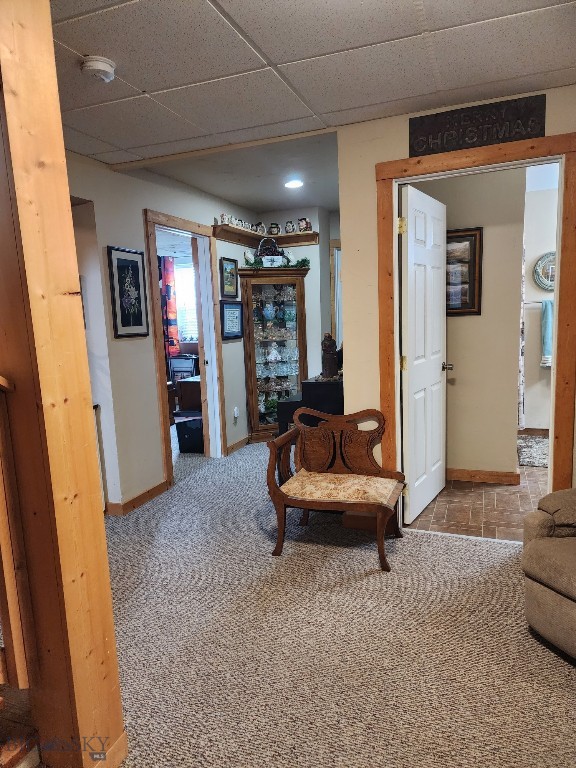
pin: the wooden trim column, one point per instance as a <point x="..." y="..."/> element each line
<point x="74" y="689"/>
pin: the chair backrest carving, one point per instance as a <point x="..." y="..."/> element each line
<point x="336" y="444"/>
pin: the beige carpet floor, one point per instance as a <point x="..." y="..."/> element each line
<point x="233" y="659"/>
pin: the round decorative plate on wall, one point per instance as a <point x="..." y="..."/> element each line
<point x="545" y="271"/>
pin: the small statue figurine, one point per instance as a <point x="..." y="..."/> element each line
<point x="329" y="357"/>
<point x="273" y="355"/>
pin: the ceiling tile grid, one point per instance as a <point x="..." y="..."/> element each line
<point x="131" y="122"/>
<point x="287" y="128"/>
<point x="159" y="45"/>
<point x="236" y="102"/>
<point x="199" y="73"/>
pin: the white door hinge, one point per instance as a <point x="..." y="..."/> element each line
<point x="402" y="225"/>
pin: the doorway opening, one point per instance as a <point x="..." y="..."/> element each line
<point x="477" y="403"/>
<point x="186" y="339"/>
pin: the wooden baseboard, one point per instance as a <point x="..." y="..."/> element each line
<point x="122" y="508"/>
<point x="484" y="476"/>
<point x="236" y="446"/>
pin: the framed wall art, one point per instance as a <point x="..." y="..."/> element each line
<point x="464" y="271"/>
<point x="228" y="278"/>
<point x="128" y="292"/>
<point x="231" y="320"/>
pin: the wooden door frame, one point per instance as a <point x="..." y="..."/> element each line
<point x="333" y="245"/>
<point x="562" y="147"/>
<point x="152" y="219"/>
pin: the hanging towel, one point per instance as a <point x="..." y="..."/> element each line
<point x="547" y="332"/>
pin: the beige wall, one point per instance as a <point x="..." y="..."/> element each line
<point x="131" y="409"/>
<point x="360" y="147"/>
<point x="540" y="229"/>
<point x="233" y="363"/>
<point x="482" y="392"/>
<point x="90" y="268"/>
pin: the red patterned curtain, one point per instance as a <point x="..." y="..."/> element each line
<point x="169" y="318"/>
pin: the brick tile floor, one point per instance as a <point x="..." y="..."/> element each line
<point x="483" y="509"/>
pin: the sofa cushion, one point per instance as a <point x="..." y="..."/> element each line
<point x="552" y="562"/>
<point x="561" y="505"/>
<point x="325" y="486"/>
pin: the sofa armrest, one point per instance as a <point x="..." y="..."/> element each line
<point x="538" y="525"/>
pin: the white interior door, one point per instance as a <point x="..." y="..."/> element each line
<point x="423" y="349"/>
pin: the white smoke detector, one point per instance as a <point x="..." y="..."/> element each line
<point x="99" y="67"/>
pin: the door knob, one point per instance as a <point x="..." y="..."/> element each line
<point x="447" y="367"/>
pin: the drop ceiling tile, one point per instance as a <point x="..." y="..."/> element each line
<point x="80" y="90"/>
<point x="66" y="9"/>
<point x="364" y="76"/>
<point x="159" y="45"/>
<point x="540" y="41"/>
<point x="231" y="137"/>
<point x="131" y="122"/>
<point x="289" y="31"/>
<point x="116" y="156"/>
<point x="453" y="98"/>
<point x="442" y="14"/>
<point x="236" y="102"/>
<point x="82" y="144"/>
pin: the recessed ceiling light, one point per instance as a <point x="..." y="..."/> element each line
<point x="294" y="184"/>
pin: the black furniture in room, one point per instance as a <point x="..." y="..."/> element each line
<point x="326" y="396"/>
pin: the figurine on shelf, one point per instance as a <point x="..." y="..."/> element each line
<point x="289" y="228"/>
<point x="269" y="311"/>
<point x="273" y="355"/>
<point x="274" y="229"/>
<point x="304" y="225"/>
<point x="329" y="357"/>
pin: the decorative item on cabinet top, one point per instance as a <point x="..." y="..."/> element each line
<point x="268" y="255"/>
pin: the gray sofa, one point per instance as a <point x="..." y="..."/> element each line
<point x="549" y="565"/>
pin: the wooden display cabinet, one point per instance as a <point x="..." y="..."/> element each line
<point x="274" y="342"/>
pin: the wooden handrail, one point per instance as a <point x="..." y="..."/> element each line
<point x="5" y="385"/>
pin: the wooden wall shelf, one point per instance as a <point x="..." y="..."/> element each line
<point x="251" y="239"/>
<point x="271" y="272"/>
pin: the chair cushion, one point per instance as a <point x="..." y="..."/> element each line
<point x="552" y="562"/>
<point x="324" y="486"/>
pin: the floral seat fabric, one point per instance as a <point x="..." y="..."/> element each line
<point x="321" y="486"/>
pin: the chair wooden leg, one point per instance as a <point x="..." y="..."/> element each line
<point x="305" y="517"/>
<point x="381" y="520"/>
<point x="281" y="515"/>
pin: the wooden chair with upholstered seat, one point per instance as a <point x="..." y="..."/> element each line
<point x="335" y="470"/>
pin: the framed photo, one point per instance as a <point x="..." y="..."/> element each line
<point x="228" y="278"/>
<point x="128" y="292"/>
<point x="231" y="319"/>
<point x="464" y="271"/>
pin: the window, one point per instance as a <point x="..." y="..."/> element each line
<point x="186" y="310"/>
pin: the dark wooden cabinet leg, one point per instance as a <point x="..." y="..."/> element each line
<point x="305" y="517"/>
<point x="381" y="520"/>
<point x="281" y="515"/>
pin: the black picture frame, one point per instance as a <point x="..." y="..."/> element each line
<point x="464" y="271"/>
<point x="127" y="271"/>
<point x="231" y="320"/>
<point x="228" y="278"/>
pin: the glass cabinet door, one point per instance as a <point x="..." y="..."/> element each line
<point x="276" y="352"/>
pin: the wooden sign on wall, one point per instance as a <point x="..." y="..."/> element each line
<point x="479" y="126"/>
